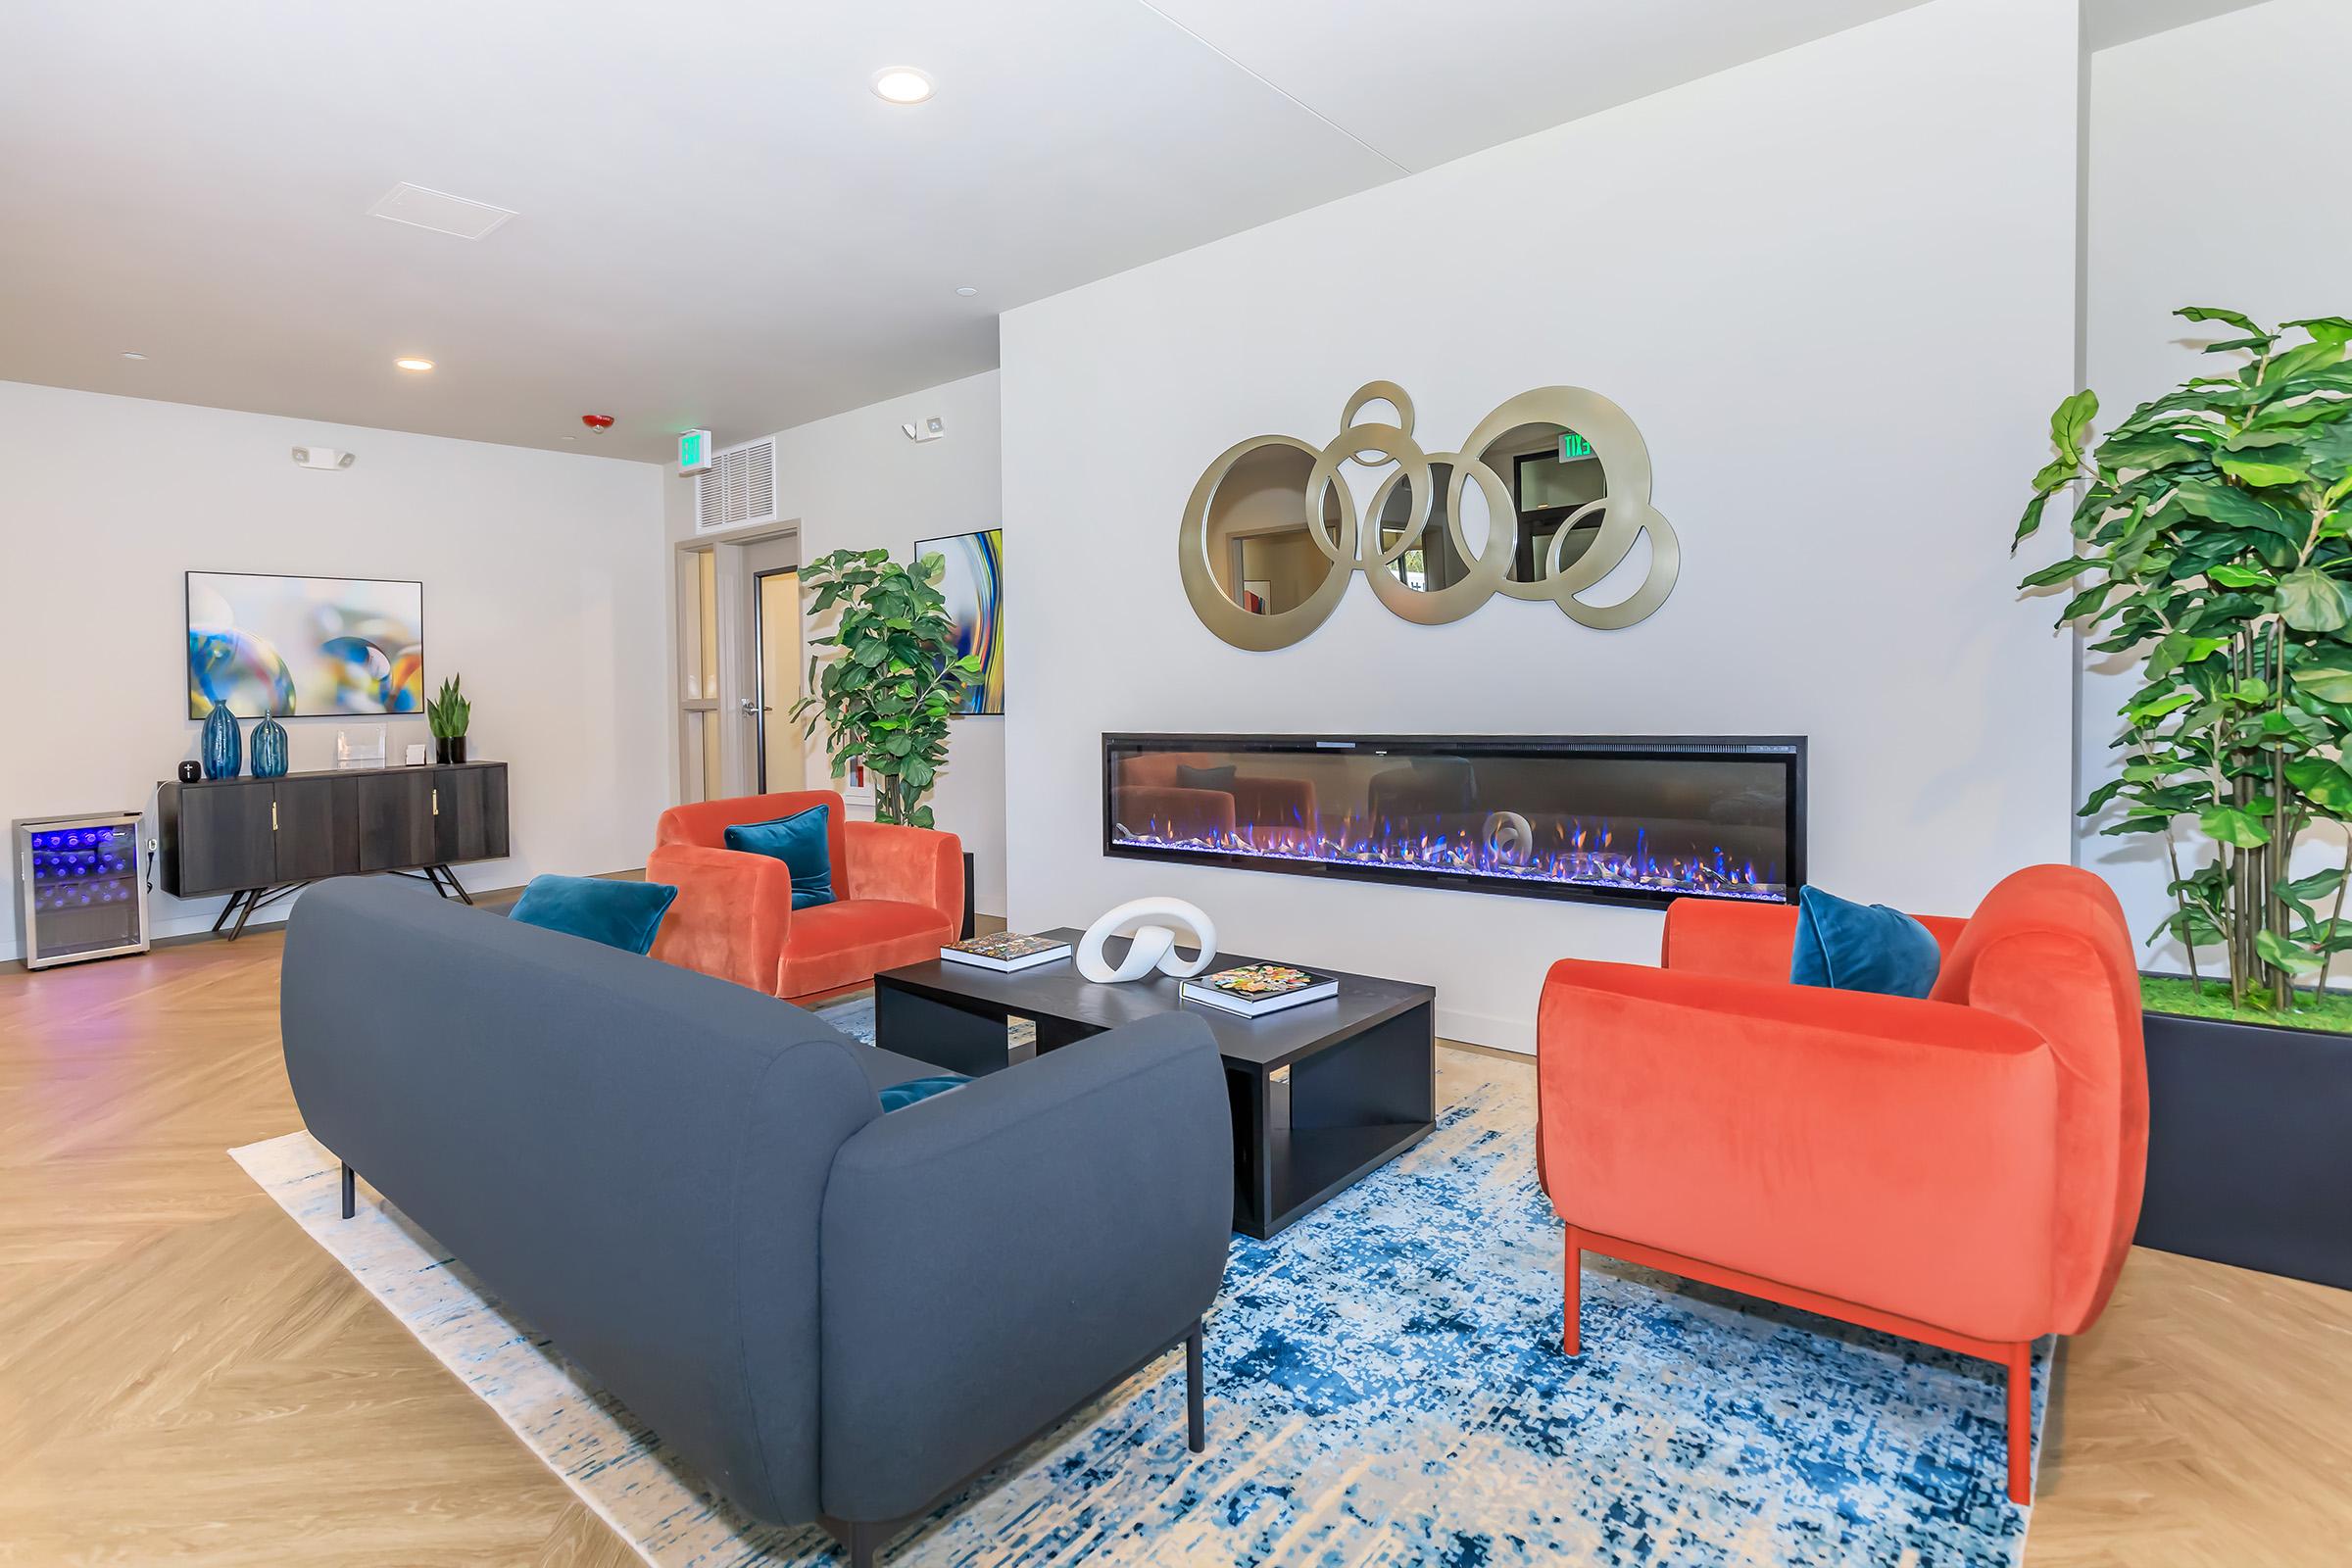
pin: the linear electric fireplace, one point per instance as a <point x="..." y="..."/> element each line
<point x="1640" y="820"/>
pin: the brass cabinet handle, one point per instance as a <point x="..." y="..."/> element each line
<point x="273" y="816"/>
<point x="436" y="802"/>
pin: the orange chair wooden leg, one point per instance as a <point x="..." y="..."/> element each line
<point x="2021" y="1422"/>
<point x="1572" y="1297"/>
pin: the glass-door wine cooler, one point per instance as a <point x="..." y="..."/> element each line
<point x="81" y="894"/>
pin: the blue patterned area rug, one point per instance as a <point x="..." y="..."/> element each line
<point x="1385" y="1387"/>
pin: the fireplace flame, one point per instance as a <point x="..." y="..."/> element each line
<point x="1583" y="856"/>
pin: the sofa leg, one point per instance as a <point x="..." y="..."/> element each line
<point x="2021" y="1422"/>
<point x="860" y="1543"/>
<point x="347" y="1189"/>
<point x="1195" y="1418"/>
<point x="1572" y="1297"/>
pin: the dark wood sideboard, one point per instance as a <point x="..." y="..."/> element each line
<point x="259" y="839"/>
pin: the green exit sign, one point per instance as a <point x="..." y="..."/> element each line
<point x="1573" y="445"/>
<point x="694" y="452"/>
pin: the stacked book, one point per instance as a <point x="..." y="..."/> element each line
<point x="1006" y="952"/>
<point x="1258" y="989"/>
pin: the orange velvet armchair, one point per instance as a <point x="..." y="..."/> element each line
<point x="1964" y="1170"/>
<point x="898" y="896"/>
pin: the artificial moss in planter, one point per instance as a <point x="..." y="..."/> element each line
<point x="2330" y="1014"/>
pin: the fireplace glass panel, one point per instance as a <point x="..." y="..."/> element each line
<point x="1641" y="820"/>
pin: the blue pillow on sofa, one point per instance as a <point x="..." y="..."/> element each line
<point x="1861" y="946"/>
<point x="897" y="1096"/>
<point x="620" y="914"/>
<point x="799" y="842"/>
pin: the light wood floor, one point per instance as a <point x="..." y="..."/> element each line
<point x="185" y="1378"/>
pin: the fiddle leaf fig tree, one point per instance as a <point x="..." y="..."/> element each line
<point x="890" y="678"/>
<point x="2211" y="526"/>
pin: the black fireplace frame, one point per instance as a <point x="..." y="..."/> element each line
<point x="1788" y="750"/>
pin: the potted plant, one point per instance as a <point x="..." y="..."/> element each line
<point x="446" y="717"/>
<point x="2215" y="529"/>
<point x="891" y="680"/>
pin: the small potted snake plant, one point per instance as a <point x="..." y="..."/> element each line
<point x="447" y="716"/>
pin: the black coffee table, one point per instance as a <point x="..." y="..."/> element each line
<point x="1322" y="1094"/>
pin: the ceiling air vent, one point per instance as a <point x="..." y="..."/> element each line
<point x="737" y="488"/>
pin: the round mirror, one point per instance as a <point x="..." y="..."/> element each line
<point x="1260" y="555"/>
<point x="1426" y="560"/>
<point x="1553" y="476"/>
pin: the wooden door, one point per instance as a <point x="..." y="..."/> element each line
<point x="312" y="830"/>
<point x="224" y="838"/>
<point x="469" y="813"/>
<point x="394" y="815"/>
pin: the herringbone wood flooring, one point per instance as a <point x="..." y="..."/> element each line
<point x="185" y="1378"/>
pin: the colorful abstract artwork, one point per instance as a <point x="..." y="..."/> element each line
<point x="974" y="585"/>
<point x="304" y="647"/>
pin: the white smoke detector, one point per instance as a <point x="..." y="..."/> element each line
<point x="325" y="458"/>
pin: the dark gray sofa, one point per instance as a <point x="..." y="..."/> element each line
<point x="690" y="1187"/>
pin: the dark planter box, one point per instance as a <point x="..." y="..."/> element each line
<point x="2250" y="1147"/>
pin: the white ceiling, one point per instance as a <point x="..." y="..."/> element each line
<point x="718" y="223"/>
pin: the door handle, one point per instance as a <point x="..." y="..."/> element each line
<point x="750" y="706"/>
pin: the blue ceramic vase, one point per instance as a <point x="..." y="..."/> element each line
<point x="268" y="748"/>
<point x="224" y="748"/>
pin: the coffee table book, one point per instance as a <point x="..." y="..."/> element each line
<point x="1006" y="952"/>
<point x="1258" y="989"/>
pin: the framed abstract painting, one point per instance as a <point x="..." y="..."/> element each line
<point x="974" y="586"/>
<point x="304" y="647"/>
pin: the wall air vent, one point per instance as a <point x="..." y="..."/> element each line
<point x="738" y="489"/>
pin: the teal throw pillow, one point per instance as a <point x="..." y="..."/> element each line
<point x="620" y="914"/>
<point x="897" y="1096"/>
<point x="1861" y="946"/>
<point x="799" y="842"/>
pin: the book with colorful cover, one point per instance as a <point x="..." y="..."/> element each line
<point x="1006" y="952"/>
<point x="1257" y="989"/>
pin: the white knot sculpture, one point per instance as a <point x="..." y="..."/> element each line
<point x="1153" y="947"/>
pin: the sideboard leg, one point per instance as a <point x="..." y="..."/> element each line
<point x="451" y="877"/>
<point x="348" y="1193"/>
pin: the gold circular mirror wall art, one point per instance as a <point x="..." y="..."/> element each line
<point x="1271" y="536"/>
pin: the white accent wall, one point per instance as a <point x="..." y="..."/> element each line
<point x="854" y="482"/>
<point x="1835" y="288"/>
<point x="2183" y="215"/>
<point x="542" y="579"/>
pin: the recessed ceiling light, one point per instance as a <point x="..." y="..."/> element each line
<point x="967" y="291"/>
<point x="414" y="365"/>
<point x="900" y="85"/>
<point x="132" y="354"/>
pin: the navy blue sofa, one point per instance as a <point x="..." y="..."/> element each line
<point x="831" y="1315"/>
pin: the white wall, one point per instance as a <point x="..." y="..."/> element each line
<point x="854" y="482"/>
<point x="1835" y="290"/>
<point x="2183" y="215"/>
<point x="541" y="587"/>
